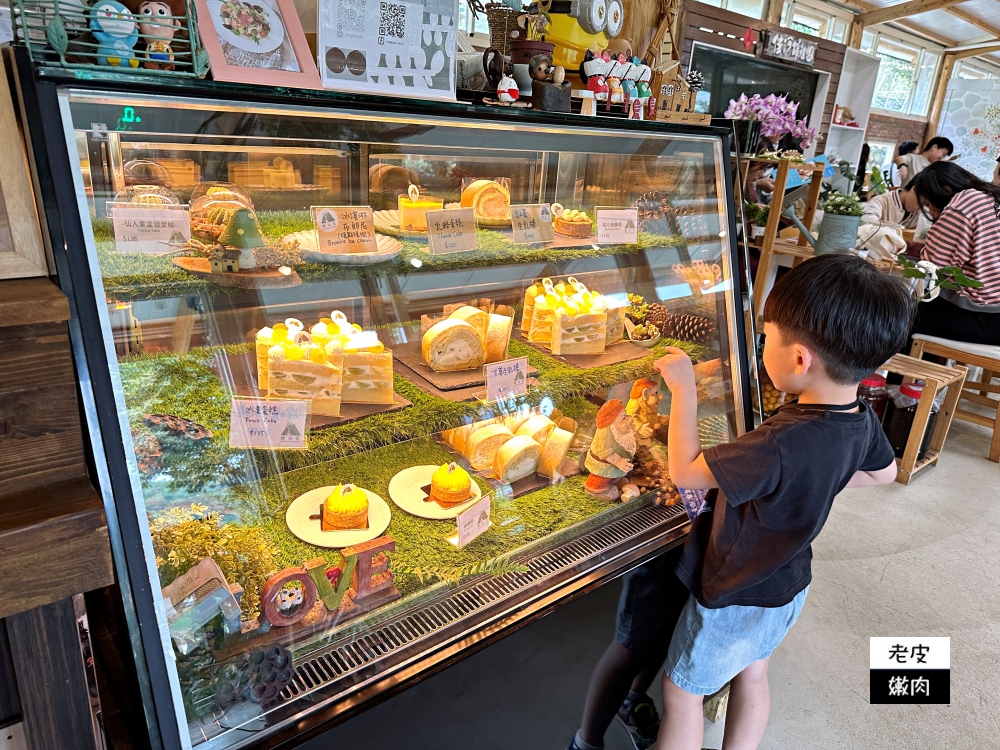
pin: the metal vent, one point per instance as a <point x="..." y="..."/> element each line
<point x="350" y="656"/>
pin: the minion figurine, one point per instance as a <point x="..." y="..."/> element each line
<point x="114" y="28"/>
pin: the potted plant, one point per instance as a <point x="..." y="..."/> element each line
<point x="934" y="278"/>
<point x="526" y="40"/>
<point x="841" y="218"/>
<point x="771" y="116"/>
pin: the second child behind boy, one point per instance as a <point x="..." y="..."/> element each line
<point x="829" y="323"/>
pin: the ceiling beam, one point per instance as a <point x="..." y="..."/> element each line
<point x="902" y="10"/>
<point x="972" y="50"/>
<point x="993" y="31"/>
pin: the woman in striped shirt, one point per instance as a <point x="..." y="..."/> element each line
<point x="966" y="233"/>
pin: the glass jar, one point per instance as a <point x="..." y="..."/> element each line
<point x="899" y="414"/>
<point x="872" y="391"/>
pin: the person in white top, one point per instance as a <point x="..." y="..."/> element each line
<point x="911" y="164"/>
<point x="895" y="207"/>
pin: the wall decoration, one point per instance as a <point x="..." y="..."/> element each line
<point x="256" y="41"/>
<point x="393" y="48"/>
<point x="970" y="117"/>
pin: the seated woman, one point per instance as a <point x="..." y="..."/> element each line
<point x="894" y="207"/>
<point x="965" y="233"/>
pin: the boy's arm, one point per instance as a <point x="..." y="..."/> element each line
<point x="874" y="478"/>
<point x="685" y="461"/>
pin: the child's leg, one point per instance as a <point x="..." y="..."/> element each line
<point x="749" y="705"/>
<point x="682" y="726"/>
<point x="609" y="686"/>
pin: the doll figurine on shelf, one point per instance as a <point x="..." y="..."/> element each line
<point x="616" y="94"/>
<point x="645" y="73"/>
<point x="158" y="23"/>
<point x="114" y="29"/>
<point x="507" y="91"/>
<point x="609" y="458"/>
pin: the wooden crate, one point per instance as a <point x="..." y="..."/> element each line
<point x="936" y="378"/>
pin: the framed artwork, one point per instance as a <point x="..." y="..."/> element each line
<point x="256" y="41"/>
<point x="22" y="252"/>
<point x="388" y="47"/>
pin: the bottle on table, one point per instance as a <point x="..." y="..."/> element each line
<point x="873" y="392"/>
<point x="900" y="411"/>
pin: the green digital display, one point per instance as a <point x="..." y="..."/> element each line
<point x="128" y="119"/>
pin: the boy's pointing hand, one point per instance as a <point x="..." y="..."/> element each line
<point x="676" y="369"/>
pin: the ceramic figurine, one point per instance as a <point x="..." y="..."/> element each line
<point x="651" y="108"/>
<point x="645" y="73"/>
<point x="616" y="94"/>
<point x="549" y="90"/>
<point x="630" y="78"/>
<point x="157" y="25"/>
<point x="114" y="28"/>
<point x="289" y="597"/>
<point x="636" y="113"/>
<point x="609" y="458"/>
<point x="507" y="89"/>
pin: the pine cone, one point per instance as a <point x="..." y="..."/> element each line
<point x="690" y="328"/>
<point x="659" y="316"/>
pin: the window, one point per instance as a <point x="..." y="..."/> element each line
<point x="468" y="24"/>
<point x="751" y="8"/>
<point x="808" y="19"/>
<point x="974" y="72"/>
<point x="868" y="42"/>
<point x="905" y="77"/>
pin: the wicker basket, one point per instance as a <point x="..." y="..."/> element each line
<point x="56" y="32"/>
<point x="503" y="26"/>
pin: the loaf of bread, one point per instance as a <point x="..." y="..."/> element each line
<point x="516" y="459"/>
<point x="484" y="443"/>
<point x="453" y="344"/>
<point x="554" y="451"/>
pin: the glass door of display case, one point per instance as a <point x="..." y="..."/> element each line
<point x="339" y="454"/>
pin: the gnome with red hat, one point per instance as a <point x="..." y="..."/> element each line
<point x="610" y="456"/>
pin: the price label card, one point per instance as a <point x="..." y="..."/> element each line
<point x="452" y="230"/>
<point x="268" y="423"/>
<point x="506" y="379"/>
<point x="617" y="226"/>
<point x="345" y="229"/>
<point x="150" y="230"/>
<point x="472" y="523"/>
<point x="532" y="223"/>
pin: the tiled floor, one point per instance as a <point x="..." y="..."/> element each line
<point x="894" y="561"/>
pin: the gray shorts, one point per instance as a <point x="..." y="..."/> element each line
<point x="651" y="601"/>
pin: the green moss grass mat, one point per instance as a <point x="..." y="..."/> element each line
<point x="184" y="385"/>
<point x="420" y="542"/>
<point x="133" y="276"/>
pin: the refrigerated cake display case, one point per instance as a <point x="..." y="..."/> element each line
<point x="344" y="361"/>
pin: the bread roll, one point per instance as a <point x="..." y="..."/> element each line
<point x="452" y="345"/>
<point x="484" y="444"/>
<point x="554" y="452"/>
<point x="516" y="459"/>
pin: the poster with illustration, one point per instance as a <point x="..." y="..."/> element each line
<point x="970" y="117"/>
<point x="394" y="48"/>
<point x="256" y="41"/>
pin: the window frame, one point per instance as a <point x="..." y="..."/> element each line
<point x="922" y="51"/>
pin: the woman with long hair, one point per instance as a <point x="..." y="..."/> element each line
<point x="965" y="233"/>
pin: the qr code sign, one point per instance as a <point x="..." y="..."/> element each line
<point x="392" y="21"/>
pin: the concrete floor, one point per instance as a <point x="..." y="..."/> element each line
<point x="893" y="561"/>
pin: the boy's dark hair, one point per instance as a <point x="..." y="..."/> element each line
<point x="940" y="141"/>
<point x="847" y="311"/>
<point x="907" y="147"/>
<point x="941" y="181"/>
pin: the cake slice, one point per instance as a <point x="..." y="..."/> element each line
<point x="498" y="337"/>
<point x="537" y="427"/>
<point x="303" y="379"/>
<point x="529" y="302"/>
<point x="452" y="345"/>
<point x="542" y="317"/>
<point x="478" y="319"/>
<point x="615" y="310"/>
<point x="484" y="444"/>
<point x="516" y="459"/>
<point x="368" y="377"/>
<point x="554" y="451"/>
<point x="579" y="334"/>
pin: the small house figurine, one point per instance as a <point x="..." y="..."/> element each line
<point x="674" y="96"/>
<point x="224" y="260"/>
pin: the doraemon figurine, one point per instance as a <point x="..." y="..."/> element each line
<point x="114" y="28"/>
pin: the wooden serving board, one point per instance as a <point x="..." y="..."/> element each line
<point x="256" y="278"/>
<point x="240" y="371"/>
<point x="409" y="355"/>
<point x="624" y="351"/>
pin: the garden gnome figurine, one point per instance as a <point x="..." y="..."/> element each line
<point x="609" y="458"/>
<point x="644" y="408"/>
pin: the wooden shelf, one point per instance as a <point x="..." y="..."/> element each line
<point x="58" y="536"/>
<point x="31" y="301"/>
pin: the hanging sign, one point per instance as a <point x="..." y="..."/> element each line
<point x="268" y="423"/>
<point x="778" y="45"/>
<point x="344" y="229"/>
<point x="531" y="223"/>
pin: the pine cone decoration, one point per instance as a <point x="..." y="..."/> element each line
<point x="689" y="328"/>
<point x="659" y="316"/>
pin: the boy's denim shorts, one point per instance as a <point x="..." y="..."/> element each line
<point x="651" y="601"/>
<point x="711" y="646"/>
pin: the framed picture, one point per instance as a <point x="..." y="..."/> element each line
<point x="389" y="47"/>
<point x="22" y="252"/>
<point x="256" y="41"/>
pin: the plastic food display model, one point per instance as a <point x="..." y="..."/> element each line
<point x="436" y="487"/>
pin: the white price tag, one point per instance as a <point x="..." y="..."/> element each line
<point x="344" y="229"/>
<point x="472" y="523"/>
<point x="617" y="226"/>
<point x="452" y="230"/>
<point x="150" y="230"/>
<point x="268" y="423"/>
<point x="507" y="378"/>
<point x="531" y="223"/>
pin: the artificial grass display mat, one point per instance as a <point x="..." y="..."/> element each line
<point x="420" y="542"/>
<point x="130" y="276"/>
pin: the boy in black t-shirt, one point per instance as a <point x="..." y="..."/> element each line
<point x="829" y="323"/>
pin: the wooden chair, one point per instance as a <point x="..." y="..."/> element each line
<point x="979" y="355"/>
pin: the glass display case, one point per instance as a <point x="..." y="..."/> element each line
<point x="339" y="454"/>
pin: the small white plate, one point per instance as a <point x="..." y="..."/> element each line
<point x="309" y="531"/>
<point x="404" y="490"/>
